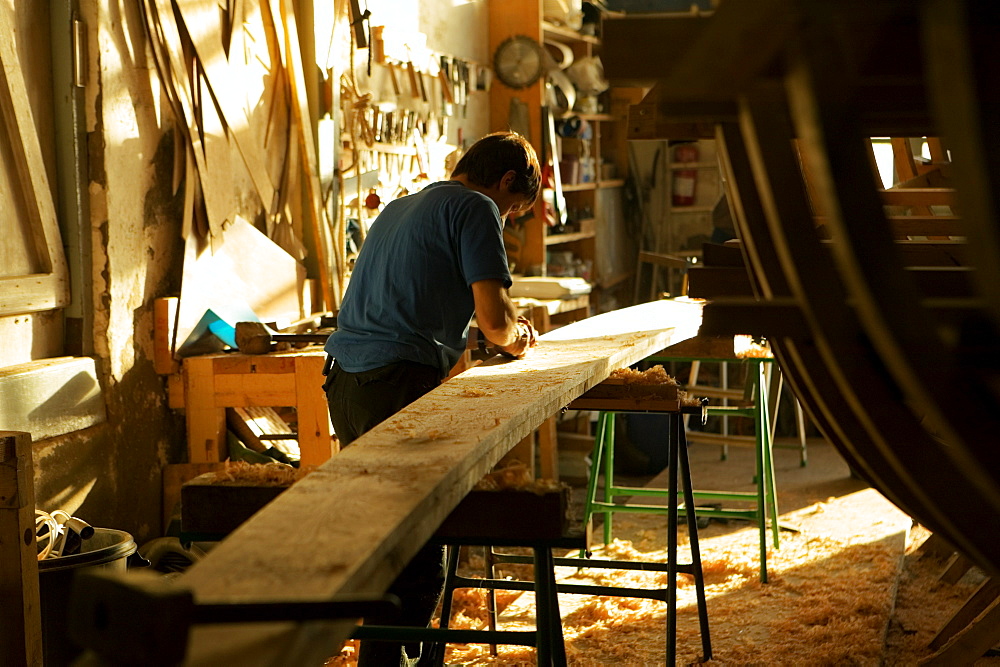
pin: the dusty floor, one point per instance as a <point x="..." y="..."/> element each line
<point x="846" y="585"/>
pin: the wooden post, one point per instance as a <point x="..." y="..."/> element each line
<point x="548" y="449"/>
<point x="20" y="617"/>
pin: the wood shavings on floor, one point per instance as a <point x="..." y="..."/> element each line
<point x="846" y="587"/>
<point x="827" y="602"/>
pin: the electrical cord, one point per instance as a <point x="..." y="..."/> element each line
<point x="53" y="530"/>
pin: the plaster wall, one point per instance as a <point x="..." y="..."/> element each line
<point x="110" y="474"/>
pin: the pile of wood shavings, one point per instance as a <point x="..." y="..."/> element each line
<point x="745" y="347"/>
<point x="260" y="474"/>
<point x="826" y="603"/>
<point x="518" y="477"/>
<point x="655" y="375"/>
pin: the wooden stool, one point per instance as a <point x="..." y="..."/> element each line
<point x="491" y="520"/>
<point x="210" y="383"/>
<point x="498" y="518"/>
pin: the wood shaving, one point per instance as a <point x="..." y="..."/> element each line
<point x="653" y="375"/>
<point x="260" y="474"/>
<point x="516" y="476"/>
<point x="745" y="347"/>
<point x="475" y="393"/>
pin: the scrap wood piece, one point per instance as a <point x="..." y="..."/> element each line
<point x="20" y="619"/>
<point x="247" y="270"/>
<point x="44" y="283"/>
<point x="252" y="424"/>
<point x="966" y="647"/>
<point x="179" y="73"/>
<point x="240" y="81"/>
<point x="393" y="486"/>
<point x="330" y="283"/>
<point x="225" y="117"/>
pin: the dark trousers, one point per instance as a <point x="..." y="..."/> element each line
<point x="359" y="402"/>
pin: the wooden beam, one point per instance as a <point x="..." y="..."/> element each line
<point x="734" y="316"/>
<point x="985" y="594"/>
<point x="697" y="57"/>
<point x="918" y="197"/>
<point x="349" y="527"/>
<point x="20" y="618"/>
<point x="970" y="644"/>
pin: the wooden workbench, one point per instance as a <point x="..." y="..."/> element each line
<point x="350" y="526"/>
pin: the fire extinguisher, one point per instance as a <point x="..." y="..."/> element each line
<point x="685" y="179"/>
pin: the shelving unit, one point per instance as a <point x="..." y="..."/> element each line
<point x="590" y="232"/>
<point x="684" y="224"/>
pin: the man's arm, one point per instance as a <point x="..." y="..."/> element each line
<point x="496" y="317"/>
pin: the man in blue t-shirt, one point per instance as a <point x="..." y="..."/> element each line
<point x="430" y="262"/>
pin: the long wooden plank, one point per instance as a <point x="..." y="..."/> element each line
<point x="349" y="527"/>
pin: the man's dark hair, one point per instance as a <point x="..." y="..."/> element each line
<point x="494" y="155"/>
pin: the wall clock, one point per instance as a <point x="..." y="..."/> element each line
<point x="518" y="61"/>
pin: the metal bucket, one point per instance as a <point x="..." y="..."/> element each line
<point x="108" y="549"/>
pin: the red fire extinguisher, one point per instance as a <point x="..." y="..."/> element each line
<point x="685" y="179"/>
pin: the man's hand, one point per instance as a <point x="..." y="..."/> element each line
<point x="527" y="338"/>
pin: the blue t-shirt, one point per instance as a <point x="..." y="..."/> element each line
<point x="409" y="298"/>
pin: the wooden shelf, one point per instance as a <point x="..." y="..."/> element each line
<point x="593" y="185"/>
<point x="559" y="33"/>
<point x="590" y="117"/>
<point x="606" y="144"/>
<point x="569" y="237"/>
<point x="691" y="209"/>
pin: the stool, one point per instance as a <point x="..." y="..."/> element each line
<point x="679" y="473"/>
<point x="498" y="518"/>
<point x="764" y="498"/>
<point x="548" y="636"/>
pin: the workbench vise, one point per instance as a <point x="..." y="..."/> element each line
<point x="144" y="619"/>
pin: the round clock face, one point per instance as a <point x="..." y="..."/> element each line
<point x="518" y="61"/>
